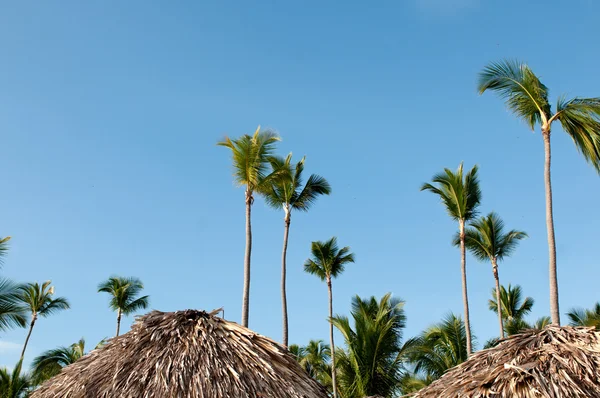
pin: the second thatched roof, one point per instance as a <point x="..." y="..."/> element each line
<point x="556" y="362"/>
<point x="185" y="354"/>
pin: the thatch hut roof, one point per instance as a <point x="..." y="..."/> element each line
<point x="552" y="363"/>
<point x="184" y="354"/>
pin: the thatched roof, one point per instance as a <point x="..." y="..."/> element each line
<point x="184" y="354"/>
<point x="552" y="363"/>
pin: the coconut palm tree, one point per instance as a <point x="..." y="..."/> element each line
<point x="12" y="312"/>
<point x="328" y="261"/>
<point x="514" y="307"/>
<point x="14" y="384"/>
<point x="581" y="317"/>
<point x="461" y="196"/>
<point x="527" y="98"/>
<point x="39" y="301"/>
<point x="50" y="363"/>
<point x="372" y="363"/>
<point x="440" y="347"/>
<point x="288" y="193"/>
<point x="124" y="296"/>
<point x="487" y="241"/>
<point x="251" y="154"/>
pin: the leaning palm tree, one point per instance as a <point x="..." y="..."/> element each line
<point x="513" y="306"/>
<point x="487" y="241"/>
<point x="327" y="262"/>
<point x="14" y="384"/>
<point x="50" y="363"/>
<point x="39" y="301"/>
<point x="372" y="363"/>
<point x="527" y="98"/>
<point x="581" y="317"/>
<point x="440" y="347"/>
<point x="251" y="154"/>
<point x="461" y="196"/>
<point x="288" y="193"/>
<point x="12" y="312"/>
<point x="124" y="296"/>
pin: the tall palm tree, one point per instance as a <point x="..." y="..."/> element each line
<point x="487" y="241"/>
<point x="39" y="301"/>
<point x="328" y="261"/>
<point x="287" y="192"/>
<point x="440" y="347"/>
<point x="372" y="363"/>
<point x="14" y="384"/>
<point x="527" y="98"/>
<point x="581" y="317"/>
<point x="124" y="296"/>
<point x="50" y="363"/>
<point x="461" y="196"/>
<point x="251" y="154"/>
<point x="513" y="307"/>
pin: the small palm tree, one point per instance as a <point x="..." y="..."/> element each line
<point x="327" y="262"/>
<point x="461" y="196"/>
<point x="288" y="193"/>
<point x="440" y="347"/>
<point x="372" y="363"/>
<point x="514" y="307"/>
<point x="487" y="241"/>
<point x="581" y="317"/>
<point x="51" y="362"/>
<point x="527" y="98"/>
<point x="39" y="301"/>
<point x="314" y="358"/>
<point x="251" y="154"/>
<point x="14" y="384"/>
<point x="124" y="296"/>
<point x="12" y="312"/>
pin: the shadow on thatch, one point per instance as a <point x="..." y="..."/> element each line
<point x="550" y="363"/>
<point x="185" y="354"/>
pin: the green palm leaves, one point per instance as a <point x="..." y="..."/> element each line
<point x="51" y="362"/>
<point x="581" y="317"/>
<point x="12" y="312"/>
<point x="14" y="384"/>
<point x="513" y="305"/>
<point x="3" y="249"/>
<point x="124" y="294"/>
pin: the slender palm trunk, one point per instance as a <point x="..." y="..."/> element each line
<point x="463" y="270"/>
<point x="554" y="311"/>
<point x="31" y="325"/>
<point x="118" y="321"/>
<point x="498" y="301"/>
<point x="283" y="275"/>
<point x="331" y="337"/>
<point x="246" y="295"/>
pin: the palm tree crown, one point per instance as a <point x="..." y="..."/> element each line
<point x="328" y="260"/>
<point x="14" y="384"/>
<point x="581" y="317"/>
<point x="51" y="362"/>
<point x="514" y="307"/>
<point x="40" y="301"/>
<point x="124" y="292"/>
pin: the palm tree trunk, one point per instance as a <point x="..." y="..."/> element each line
<point x="246" y="295"/>
<point x="331" y="337"/>
<point x="463" y="270"/>
<point x="118" y="321"/>
<point x="498" y="301"/>
<point x="554" y="311"/>
<point x="283" y="275"/>
<point x="33" y="319"/>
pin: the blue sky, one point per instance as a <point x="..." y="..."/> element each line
<point x="110" y="111"/>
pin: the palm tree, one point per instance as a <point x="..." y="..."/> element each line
<point x="514" y="307"/>
<point x="14" y="384"/>
<point x="461" y="197"/>
<point x="581" y="317"/>
<point x="372" y="363"/>
<point x="286" y="192"/>
<point x="440" y="347"/>
<point x="251" y="154"/>
<point x="50" y="363"/>
<point x="12" y="312"/>
<point x="328" y="261"/>
<point x="39" y="301"/>
<point x="486" y="240"/>
<point x="3" y="249"/>
<point x="527" y="98"/>
<point x="123" y="296"/>
<point x="314" y="358"/>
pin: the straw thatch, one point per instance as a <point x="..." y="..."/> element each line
<point x="551" y="363"/>
<point x="184" y="354"/>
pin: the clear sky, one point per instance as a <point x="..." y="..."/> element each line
<point x="110" y="111"/>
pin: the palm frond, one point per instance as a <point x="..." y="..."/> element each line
<point x="12" y="312"/>
<point x="3" y="249"/>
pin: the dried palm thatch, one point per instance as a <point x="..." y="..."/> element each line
<point x="184" y="354"/>
<point x="551" y="363"/>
